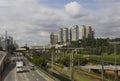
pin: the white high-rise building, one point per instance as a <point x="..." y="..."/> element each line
<point x="80" y="36"/>
<point x="76" y="33"/>
<point x="81" y="32"/>
<point x="87" y="32"/>
<point x="63" y="36"/>
<point x="6" y="41"/>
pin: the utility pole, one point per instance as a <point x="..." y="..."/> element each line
<point x="52" y="61"/>
<point x="77" y="56"/>
<point x="72" y="66"/>
<point x="116" y="78"/>
<point x="102" y="59"/>
<point x="115" y="47"/>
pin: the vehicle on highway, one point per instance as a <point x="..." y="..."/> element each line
<point x="19" y="66"/>
<point x="32" y="67"/>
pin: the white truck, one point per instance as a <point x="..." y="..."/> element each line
<point x="19" y="66"/>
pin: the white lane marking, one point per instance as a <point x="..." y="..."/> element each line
<point x="25" y="77"/>
<point x="37" y="79"/>
<point x="33" y="74"/>
<point x="15" y="74"/>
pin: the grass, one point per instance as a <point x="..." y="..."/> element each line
<point x="109" y="59"/>
<point x="77" y="76"/>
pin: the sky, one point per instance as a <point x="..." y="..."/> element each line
<point x="32" y="21"/>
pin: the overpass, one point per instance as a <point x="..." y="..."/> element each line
<point x="99" y="67"/>
<point x="106" y="67"/>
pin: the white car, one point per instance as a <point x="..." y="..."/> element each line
<point x="19" y="69"/>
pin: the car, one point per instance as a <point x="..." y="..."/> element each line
<point x="13" y="60"/>
<point x="32" y="67"/>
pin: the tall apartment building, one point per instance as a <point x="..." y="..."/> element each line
<point x="75" y="33"/>
<point x="81" y="32"/>
<point x="53" y="38"/>
<point x="63" y="36"/>
<point x="87" y="32"/>
<point x="8" y="41"/>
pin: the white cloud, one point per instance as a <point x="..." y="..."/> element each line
<point x="74" y="9"/>
<point x="31" y="22"/>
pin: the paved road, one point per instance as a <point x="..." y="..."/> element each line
<point x="31" y="75"/>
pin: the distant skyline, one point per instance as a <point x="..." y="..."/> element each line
<point x="32" y="21"/>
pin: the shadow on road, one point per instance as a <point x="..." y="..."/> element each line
<point x="7" y="71"/>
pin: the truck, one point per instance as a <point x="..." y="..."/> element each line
<point x="19" y="66"/>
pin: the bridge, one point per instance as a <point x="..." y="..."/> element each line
<point x="99" y="67"/>
<point x="106" y="67"/>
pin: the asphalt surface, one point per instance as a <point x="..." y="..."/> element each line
<point x="29" y="75"/>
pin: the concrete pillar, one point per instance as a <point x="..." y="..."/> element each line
<point x="116" y="75"/>
<point x="104" y="71"/>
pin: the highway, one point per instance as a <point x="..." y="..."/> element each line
<point x="29" y="75"/>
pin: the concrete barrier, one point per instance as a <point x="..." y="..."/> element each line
<point x="2" y="63"/>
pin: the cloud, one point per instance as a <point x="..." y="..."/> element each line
<point x="107" y="1"/>
<point x="74" y="9"/>
<point x="29" y="21"/>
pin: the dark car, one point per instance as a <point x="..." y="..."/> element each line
<point x="32" y="67"/>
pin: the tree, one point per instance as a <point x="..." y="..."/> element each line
<point x="39" y="61"/>
<point x="11" y="48"/>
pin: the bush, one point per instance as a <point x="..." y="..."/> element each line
<point x="39" y="61"/>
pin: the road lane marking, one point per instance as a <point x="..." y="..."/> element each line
<point x="37" y="79"/>
<point x="15" y="74"/>
<point x="33" y="74"/>
<point x="25" y="77"/>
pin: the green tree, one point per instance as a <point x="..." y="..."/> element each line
<point x="11" y="48"/>
<point x="39" y="61"/>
